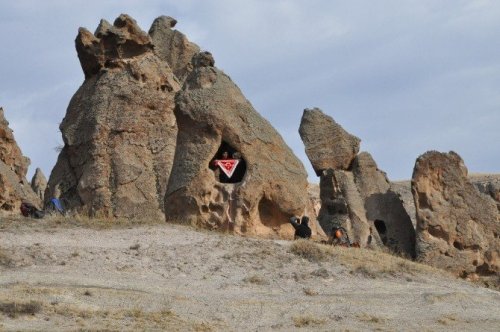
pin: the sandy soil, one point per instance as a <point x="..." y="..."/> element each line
<point x="173" y="277"/>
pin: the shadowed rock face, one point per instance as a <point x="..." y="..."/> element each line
<point x="328" y="145"/>
<point x="384" y="208"/>
<point x="14" y="188"/>
<point x="211" y="111"/>
<point x="458" y="228"/>
<point x="119" y="130"/>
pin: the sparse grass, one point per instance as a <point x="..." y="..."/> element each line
<point x="310" y="292"/>
<point x="14" y="309"/>
<point x="135" y="246"/>
<point x="59" y="221"/>
<point x="369" y="263"/>
<point x="256" y="279"/>
<point x="307" y="320"/>
<point x="447" y="319"/>
<point x="370" y="318"/>
<point x="310" y="250"/>
<point x="5" y="258"/>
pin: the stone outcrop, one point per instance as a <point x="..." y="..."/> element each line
<point x="354" y="193"/>
<point x="14" y="188"/>
<point x="39" y="183"/>
<point x="383" y="206"/>
<point x="213" y="115"/>
<point x="488" y="184"/>
<point x="173" y="46"/>
<point x="10" y="153"/>
<point x="119" y="131"/>
<point x="328" y="145"/>
<point x="458" y="228"/>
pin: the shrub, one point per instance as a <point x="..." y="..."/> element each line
<point x="14" y="309"/>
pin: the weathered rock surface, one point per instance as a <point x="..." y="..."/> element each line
<point x="328" y="145"/>
<point x="10" y="153"/>
<point x="355" y="194"/>
<point x="211" y="114"/>
<point x="172" y="46"/>
<point x="39" y="183"/>
<point x="383" y="207"/>
<point x="14" y="188"/>
<point x="488" y="184"/>
<point x="119" y="131"/>
<point x="313" y="207"/>
<point x="458" y="228"/>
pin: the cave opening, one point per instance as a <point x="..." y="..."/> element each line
<point x="228" y="164"/>
<point x="381" y="229"/>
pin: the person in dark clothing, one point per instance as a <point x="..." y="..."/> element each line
<point x="302" y="229"/>
<point x="29" y="210"/>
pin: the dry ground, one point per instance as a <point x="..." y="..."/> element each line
<point x="60" y="275"/>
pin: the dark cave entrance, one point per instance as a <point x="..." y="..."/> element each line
<point x="381" y="229"/>
<point x="227" y="152"/>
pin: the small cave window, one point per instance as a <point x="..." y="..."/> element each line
<point x="228" y="164"/>
<point x="381" y="229"/>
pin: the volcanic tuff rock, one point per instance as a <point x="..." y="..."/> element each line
<point x="10" y="153"/>
<point x="458" y="228"/>
<point x="213" y="115"/>
<point x="488" y="184"/>
<point x="354" y="193"/>
<point x="119" y="131"/>
<point x="383" y="206"/>
<point x="39" y="183"/>
<point x="14" y="187"/>
<point x="327" y="144"/>
<point x="172" y="46"/>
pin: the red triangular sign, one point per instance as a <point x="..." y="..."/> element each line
<point x="228" y="166"/>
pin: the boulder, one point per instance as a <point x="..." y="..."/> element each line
<point x="39" y="183"/>
<point x="458" y="228"/>
<point x="119" y="131"/>
<point x="14" y="188"/>
<point x="213" y="116"/>
<point x="172" y="46"/>
<point x="328" y="145"/>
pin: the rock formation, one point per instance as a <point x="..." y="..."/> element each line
<point x="318" y="131"/>
<point x="383" y="206"/>
<point x="488" y="184"/>
<point x="119" y="130"/>
<point x="458" y="228"/>
<point x="172" y="46"/>
<point x="213" y="115"/>
<point x="39" y="183"/>
<point x="120" y="135"/>
<point x="355" y="194"/>
<point x="14" y="188"/>
<point x="10" y="153"/>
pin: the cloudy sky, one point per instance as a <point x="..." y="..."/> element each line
<point x="406" y="76"/>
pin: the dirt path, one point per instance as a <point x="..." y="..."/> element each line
<point x="176" y="278"/>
